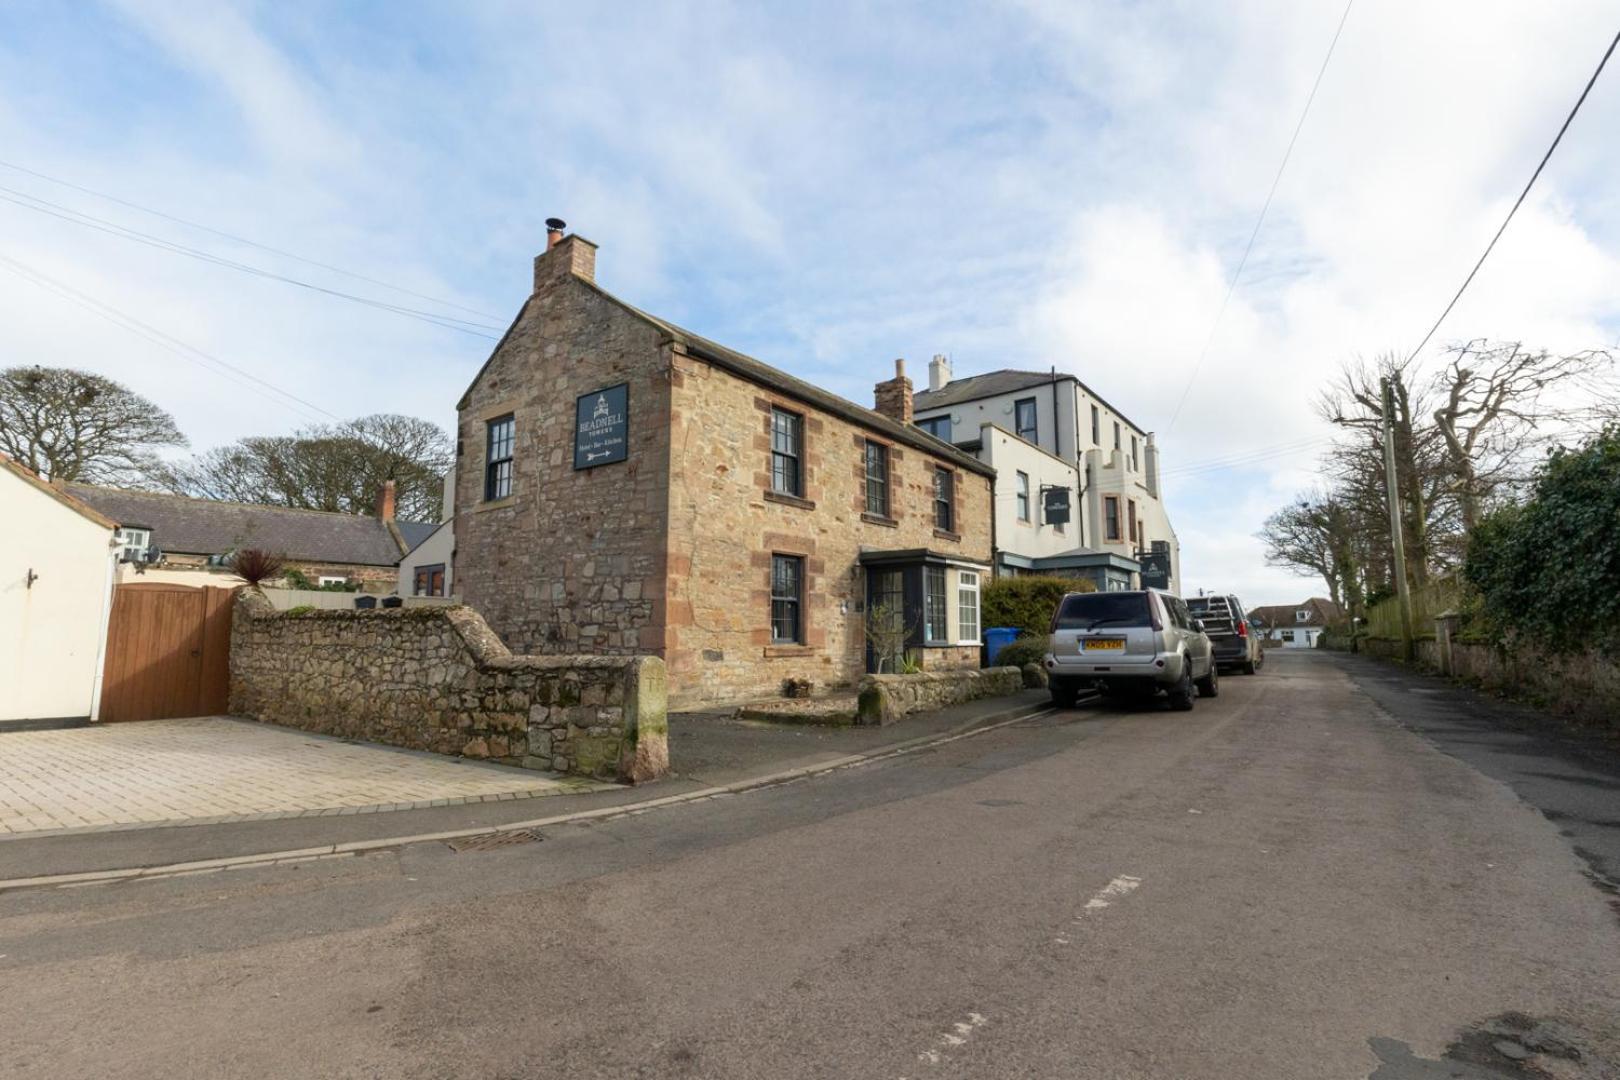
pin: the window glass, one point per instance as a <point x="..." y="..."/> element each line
<point x="1024" y="425"/>
<point x="967" y="606"/>
<point x="787" y="596"/>
<point x="934" y="609"/>
<point x="1021" y="495"/>
<point x="1082" y="611"/>
<point x="1111" y="516"/>
<point x="877" y="479"/>
<point x="944" y="510"/>
<point x="1116" y="434"/>
<point x="1133" y="453"/>
<point x="937" y="426"/>
<point x="786" y="445"/>
<point x="498" y="458"/>
<point x="1096" y="426"/>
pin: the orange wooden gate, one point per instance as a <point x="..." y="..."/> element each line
<point x="168" y="652"/>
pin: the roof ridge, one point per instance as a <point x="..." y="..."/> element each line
<point x="232" y="502"/>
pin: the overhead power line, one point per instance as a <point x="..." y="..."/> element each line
<point x="76" y="217"/>
<point x="1260" y="220"/>
<point x="1249" y="459"/>
<point x="129" y="323"/>
<point x="234" y="238"/>
<point x="1542" y="164"/>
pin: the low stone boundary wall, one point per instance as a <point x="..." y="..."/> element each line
<point x="437" y="678"/>
<point x="886" y="698"/>
<point x="1586" y="686"/>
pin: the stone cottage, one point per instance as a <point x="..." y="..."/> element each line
<point x="624" y="486"/>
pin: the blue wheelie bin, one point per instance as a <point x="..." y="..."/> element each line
<point x="997" y="638"/>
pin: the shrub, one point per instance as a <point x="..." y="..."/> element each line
<point x="1029" y="602"/>
<point x="255" y="565"/>
<point x="1026" y="650"/>
<point x="1549" y="570"/>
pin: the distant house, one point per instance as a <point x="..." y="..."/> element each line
<point x="193" y="536"/>
<point x="56" y="580"/>
<point x="426" y="568"/>
<point x="1297" y="626"/>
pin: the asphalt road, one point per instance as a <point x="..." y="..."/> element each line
<point x="1288" y="882"/>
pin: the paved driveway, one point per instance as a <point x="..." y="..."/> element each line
<point x="213" y="769"/>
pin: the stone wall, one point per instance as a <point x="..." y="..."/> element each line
<point x="725" y="524"/>
<point x="1584" y="686"/>
<point x="573" y="560"/>
<point x="886" y="698"/>
<point x="437" y="678"/>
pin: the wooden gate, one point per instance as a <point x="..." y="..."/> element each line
<point x="168" y="652"/>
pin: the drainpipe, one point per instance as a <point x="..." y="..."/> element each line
<point x="1057" y="443"/>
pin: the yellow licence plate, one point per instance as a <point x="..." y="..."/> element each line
<point x="1096" y="644"/>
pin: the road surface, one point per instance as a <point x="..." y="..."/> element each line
<point x="1288" y="882"/>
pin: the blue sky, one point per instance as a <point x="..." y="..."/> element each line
<point x="827" y="187"/>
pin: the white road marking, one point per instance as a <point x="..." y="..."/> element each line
<point x="961" y="1032"/>
<point x="1121" y="886"/>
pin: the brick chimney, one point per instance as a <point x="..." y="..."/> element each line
<point x="385" y="501"/>
<point x="894" y="397"/>
<point x="565" y="255"/>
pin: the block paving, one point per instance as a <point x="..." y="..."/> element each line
<point x="218" y="769"/>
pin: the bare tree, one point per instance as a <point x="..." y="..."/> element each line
<point x="72" y="425"/>
<point x="1317" y="535"/>
<point x="1493" y="407"/>
<point x="887" y="633"/>
<point x="339" y="467"/>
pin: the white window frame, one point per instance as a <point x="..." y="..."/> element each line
<point x="129" y="545"/>
<point x="1021" y="506"/>
<point x="1301" y="617"/>
<point x="967" y="586"/>
<point x="332" y="579"/>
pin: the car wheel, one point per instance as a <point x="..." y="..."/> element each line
<point x="1210" y="685"/>
<point x="1181" y="698"/>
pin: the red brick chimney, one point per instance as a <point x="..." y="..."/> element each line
<point x="894" y="397"/>
<point x="385" y="501"/>
<point x="565" y="255"/>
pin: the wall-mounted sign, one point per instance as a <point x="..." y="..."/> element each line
<point x="602" y="427"/>
<point x="1155" y="567"/>
<point x="1055" y="505"/>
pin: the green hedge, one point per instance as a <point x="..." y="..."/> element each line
<point x="1549" y="571"/>
<point x="1026" y="650"/>
<point x="1027" y="603"/>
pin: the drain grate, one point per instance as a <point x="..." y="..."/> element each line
<point x="492" y="841"/>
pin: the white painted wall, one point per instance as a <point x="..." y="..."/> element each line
<point x="1009" y="456"/>
<point x="437" y="548"/>
<point x="51" y="632"/>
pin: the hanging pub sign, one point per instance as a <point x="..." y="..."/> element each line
<point x="602" y="427"/>
<point x="1055" y="505"/>
<point x="1155" y="567"/>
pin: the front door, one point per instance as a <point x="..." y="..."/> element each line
<point x="886" y="630"/>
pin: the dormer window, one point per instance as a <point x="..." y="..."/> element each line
<point x="133" y="543"/>
<point x="1302" y="616"/>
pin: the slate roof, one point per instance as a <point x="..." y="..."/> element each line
<point x="415" y="532"/>
<point x="1323" y="613"/>
<point x="762" y="374"/>
<point x="187" y="526"/>
<point x="996" y="383"/>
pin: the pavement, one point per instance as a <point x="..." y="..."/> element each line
<point x="251" y="789"/>
<point x="215" y="770"/>
<point x="1290" y="881"/>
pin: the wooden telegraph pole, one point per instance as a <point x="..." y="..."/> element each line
<point x="1403" y="591"/>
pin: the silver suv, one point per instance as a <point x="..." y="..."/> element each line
<point x="1129" y="643"/>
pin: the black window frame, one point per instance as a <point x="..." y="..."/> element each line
<point x="787" y="599"/>
<point x="877" y="482"/>
<point x="944" y="499"/>
<point x="427" y="570"/>
<point x="932" y="425"/>
<point x="1034" y="427"/>
<point x="936" y="602"/>
<point x="1021" y="495"/>
<point x="499" y="450"/>
<point x="787" y="461"/>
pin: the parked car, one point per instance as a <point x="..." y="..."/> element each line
<point x="1235" y="642"/>
<point x="1140" y="642"/>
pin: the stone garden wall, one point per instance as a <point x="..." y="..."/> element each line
<point x="886" y="698"/>
<point x="437" y="678"/>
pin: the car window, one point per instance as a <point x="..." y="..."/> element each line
<point x="1179" y="613"/>
<point x="1084" y="610"/>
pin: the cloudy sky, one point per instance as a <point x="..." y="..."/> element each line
<point x="1036" y="184"/>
